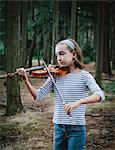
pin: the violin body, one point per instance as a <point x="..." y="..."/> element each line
<point x="52" y="69"/>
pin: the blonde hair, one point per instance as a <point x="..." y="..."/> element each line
<point x="72" y="45"/>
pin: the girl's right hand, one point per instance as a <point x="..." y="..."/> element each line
<point x="22" y="73"/>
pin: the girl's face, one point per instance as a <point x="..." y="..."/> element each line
<point x="64" y="56"/>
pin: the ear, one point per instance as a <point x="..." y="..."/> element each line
<point x="74" y="54"/>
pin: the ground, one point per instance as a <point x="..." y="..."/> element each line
<point x="33" y="129"/>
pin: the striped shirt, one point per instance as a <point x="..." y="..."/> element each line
<point x="73" y="87"/>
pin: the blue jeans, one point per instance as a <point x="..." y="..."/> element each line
<point x="69" y="137"/>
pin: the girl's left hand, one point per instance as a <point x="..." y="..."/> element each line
<point x="72" y="105"/>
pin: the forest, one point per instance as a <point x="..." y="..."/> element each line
<point x="29" y="31"/>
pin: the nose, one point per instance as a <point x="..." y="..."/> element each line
<point x="59" y="58"/>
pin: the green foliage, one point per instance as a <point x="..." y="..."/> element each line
<point x="9" y="132"/>
<point x="40" y="20"/>
<point x="109" y="87"/>
<point x="86" y="60"/>
<point x="6" y="128"/>
<point x="30" y="29"/>
<point x="1" y="48"/>
<point x="86" y="30"/>
<point x="42" y="14"/>
<point x="2" y="27"/>
<point x="39" y="24"/>
<point x="88" y="53"/>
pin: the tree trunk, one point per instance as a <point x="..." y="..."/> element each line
<point x="100" y="42"/>
<point x="55" y="29"/>
<point x="106" y="54"/>
<point x="46" y="44"/>
<point x="33" y="42"/>
<point x="113" y="35"/>
<point x="23" y="33"/>
<point x="49" y="45"/>
<point x="74" y="19"/>
<point x="12" y="45"/>
<point x="65" y="17"/>
<point x="31" y="50"/>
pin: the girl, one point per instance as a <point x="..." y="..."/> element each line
<point x="68" y="119"/>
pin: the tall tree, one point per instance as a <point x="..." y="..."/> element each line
<point x="12" y="45"/>
<point x="100" y="42"/>
<point x="74" y="19"/>
<point x="47" y="32"/>
<point x="33" y="40"/>
<point x="55" y="28"/>
<point x="65" y="19"/>
<point x="46" y="44"/>
<point x="113" y="35"/>
<point x="106" y="54"/>
<point x="23" y="32"/>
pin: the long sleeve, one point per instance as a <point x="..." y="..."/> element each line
<point x="44" y="89"/>
<point x="93" y="86"/>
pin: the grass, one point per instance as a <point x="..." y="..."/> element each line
<point x="109" y="88"/>
<point x="11" y="132"/>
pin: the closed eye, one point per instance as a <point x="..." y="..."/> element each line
<point x="60" y="53"/>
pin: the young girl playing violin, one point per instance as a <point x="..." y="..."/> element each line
<point x="69" y="113"/>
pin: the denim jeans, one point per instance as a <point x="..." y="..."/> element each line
<point x="69" y="137"/>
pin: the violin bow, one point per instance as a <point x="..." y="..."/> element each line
<point x="62" y="99"/>
<point x="53" y="81"/>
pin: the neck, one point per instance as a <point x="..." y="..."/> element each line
<point x="73" y="69"/>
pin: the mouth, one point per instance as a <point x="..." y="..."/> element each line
<point x="61" y="63"/>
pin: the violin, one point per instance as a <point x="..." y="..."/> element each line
<point x="55" y="71"/>
<point x="41" y="71"/>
